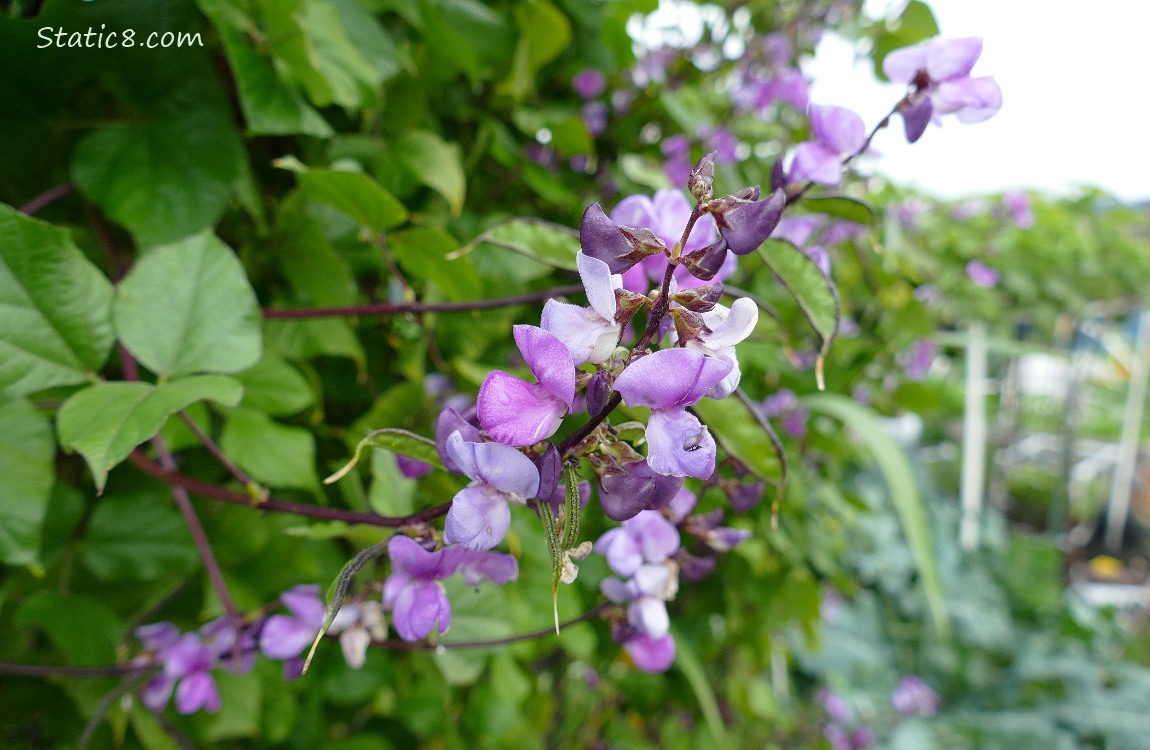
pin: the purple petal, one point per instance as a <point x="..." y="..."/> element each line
<point x="599" y="237"/>
<point x="157" y="691"/>
<point x="419" y="609"/>
<point x="679" y="445"/>
<point x="600" y="286"/>
<point x="972" y="99"/>
<point x="725" y="538"/>
<point x="187" y="655"/>
<point x="916" y="117"/>
<point x="748" y="225"/>
<point x="450" y="421"/>
<point x="589" y="83"/>
<point x="817" y="163"/>
<point x="412" y="468"/>
<point x="550" y="468"/>
<point x="410" y="559"/>
<point x="670" y="378"/>
<point x="306" y="603"/>
<point x="838" y="128"/>
<point x="197" y="691"/>
<point x="981" y="274"/>
<point x="158" y="636"/>
<point x="516" y="412"/>
<point x="681" y="505"/>
<point x="657" y="537"/>
<point x="621" y="550"/>
<point x="498" y="465"/>
<point x="651" y="654"/>
<point x="635" y="211"/>
<point x="730" y="326"/>
<point x="496" y="567"/>
<point x="902" y="65"/>
<point x="797" y="230"/>
<point x="478" y="520"/>
<point x="586" y="334"/>
<point x="947" y="59"/>
<point x="283" y="637"/>
<point x="616" y="590"/>
<point x="649" y="616"/>
<point x="549" y="360"/>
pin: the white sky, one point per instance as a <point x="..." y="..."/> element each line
<point x="1076" y="100"/>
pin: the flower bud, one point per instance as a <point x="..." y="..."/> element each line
<point x="702" y="178"/>
<point x="705" y="262"/>
<point x="745" y="224"/>
<point x="643" y="243"/>
<point x="627" y="303"/>
<point x="600" y="238"/>
<point x="688" y="325"/>
<point x="598" y="391"/>
<point x="700" y="299"/>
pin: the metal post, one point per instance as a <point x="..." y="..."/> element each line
<point x="1120" y="491"/>
<point x="974" y="437"/>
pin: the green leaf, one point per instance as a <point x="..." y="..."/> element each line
<point x="85" y="629"/>
<point x="544" y="32"/>
<point x="436" y="163"/>
<point x="687" y="662"/>
<point x="371" y="40"/>
<point x="270" y="106"/>
<point x="896" y="470"/>
<point x="814" y="292"/>
<point x="552" y="244"/>
<point x="740" y="434"/>
<point x="272" y="453"/>
<point x="27" y="468"/>
<point x="188" y="307"/>
<point x="105" y="422"/>
<point x="396" y="441"/>
<point x="391" y="493"/>
<point x="275" y="387"/>
<point x="57" y="321"/>
<point x="138" y="537"/>
<point x="847" y="209"/>
<point x="165" y="178"/>
<point x="424" y="251"/>
<point x="354" y="193"/>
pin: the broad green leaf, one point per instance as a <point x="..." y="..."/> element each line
<point x="273" y="454"/>
<point x="371" y="40"/>
<point x="138" y="537"/>
<point x="188" y="307"/>
<point x="304" y="339"/>
<point x="477" y="613"/>
<point x="354" y="193"/>
<point x="814" y="292"/>
<point x="391" y="493"/>
<point x="57" y="322"/>
<point x="436" y="163"/>
<point x="396" y="441"/>
<point x="85" y="629"/>
<point x="105" y="422"/>
<point x="27" y="468"/>
<point x="241" y="698"/>
<point x="907" y="502"/>
<point x="687" y="662"/>
<point x="840" y="207"/>
<point x="740" y="434"/>
<point x="149" y="731"/>
<point x="317" y="274"/>
<point x="165" y="178"/>
<point x="270" y="106"/>
<point x="552" y="244"/>
<point x="275" y="387"/>
<point x="644" y="171"/>
<point x="544" y="32"/>
<point x="423" y="252"/>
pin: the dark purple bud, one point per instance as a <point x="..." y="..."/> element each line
<point x="702" y="178"/>
<point x="412" y="468"/>
<point x="643" y="243"/>
<point x="693" y="568"/>
<point x="449" y="421"/>
<point x="627" y="304"/>
<point x="550" y="467"/>
<point x="743" y="496"/>
<point x="915" y="117"/>
<point x="705" y="262"/>
<point x="778" y="176"/>
<point x="688" y="325"/>
<point x="700" y="299"/>
<point x="598" y="391"/>
<point x="746" y="224"/>
<point x="600" y="238"/>
<point x="623" y="496"/>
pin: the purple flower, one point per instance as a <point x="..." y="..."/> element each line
<point x="187" y="663"/>
<point x="589" y="83"/>
<point x="286" y="636"/>
<point x="981" y="274"/>
<point x="668" y="381"/>
<point x="913" y="697"/>
<point x="939" y="69"/>
<point x="516" y="412"/>
<point x="651" y="654"/>
<point x="785" y="405"/>
<point x="648" y="538"/>
<point x="594" y="116"/>
<point x="480" y="514"/>
<point x="589" y="333"/>
<point x="836" y="707"/>
<point x="723" y="142"/>
<point x="639" y="488"/>
<point x="836" y="131"/>
<point x="726" y="327"/>
<point x="1018" y="206"/>
<point x="918" y="359"/>
<point x="666" y="214"/>
<point x="413" y="593"/>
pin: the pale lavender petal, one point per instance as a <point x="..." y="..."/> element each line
<point x="797" y="229"/>
<point x="972" y="99"/>
<point x="729" y="326"/>
<point x="838" y="128"/>
<point x="817" y="163"/>
<point x="725" y="538"/>
<point x="498" y="465"/>
<point x="283" y="637"/>
<point x="410" y="559"/>
<point x="649" y="616"/>
<point x="476" y="567"/>
<point x="587" y="336"/>
<point x="589" y="83"/>
<point x="651" y="654"/>
<point x="187" y="655"/>
<point x="394" y="585"/>
<point x="158" y="636"/>
<point x="702" y="234"/>
<point x="679" y="445"/>
<point x="354" y="645"/>
<point x="947" y="59"/>
<point x="635" y="211"/>
<point x="902" y="65"/>
<point x="600" y="285"/>
<point x="730" y="382"/>
<point x="477" y="520"/>
<point x="670" y="378"/>
<point x="197" y="691"/>
<point x="981" y="274"/>
<point x="657" y="537"/>
<point x="681" y="505"/>
<point x="621" y="550"/>
<point x="419" y="609"/>
<point x="158" y="690"/>
<point x="516" y="412"/>
<point x="306" y="604"/>
<point x="549" y="360"/>
<point x="450" y="421"/>
<point x="672" y="211"/>
<point x="616" y="590"/>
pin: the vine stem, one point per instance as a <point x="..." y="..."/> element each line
<point x="534" y="635"/>
<point x="46" y="198"/>
<point x="421" y="307"/>
<point x="224" y="461"/>
<point x="274" y="505"/>
<point x="52" y="670"/>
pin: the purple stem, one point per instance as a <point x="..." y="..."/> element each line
<point x="419" y="307"/>
<point x="49" y="196"/>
